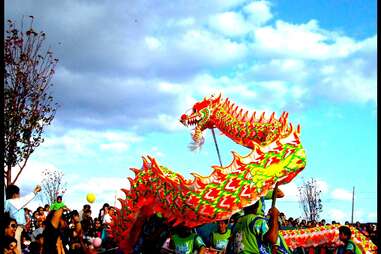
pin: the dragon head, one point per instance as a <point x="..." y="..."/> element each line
<point x="200" y="117"/>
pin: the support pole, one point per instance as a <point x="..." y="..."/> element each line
<point x="353" y="203"/>
<point x="215" y="142"/>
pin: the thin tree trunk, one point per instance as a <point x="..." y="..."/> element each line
<point x="9" y="175"/>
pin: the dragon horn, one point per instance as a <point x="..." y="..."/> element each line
<point x="252" y="119"/>
<point x="135" y="170"/>
<point x="244" y="117"/>
<point x="145" y="162"/>
<point x="272" y="117"/>
<point x="131" y="181"/>
<point x="262" y="117"/>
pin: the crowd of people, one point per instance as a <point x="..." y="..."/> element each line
<point x="57" y="229"/>
<point x="54" y="228"/>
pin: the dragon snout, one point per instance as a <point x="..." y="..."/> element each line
<point x="183" y="119"/>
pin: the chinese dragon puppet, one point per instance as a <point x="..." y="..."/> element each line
<point x="276" y="156"/>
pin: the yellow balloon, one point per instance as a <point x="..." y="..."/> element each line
<point x="90" y="197"/>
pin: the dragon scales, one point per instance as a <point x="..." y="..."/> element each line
<point x="276" y="156"/>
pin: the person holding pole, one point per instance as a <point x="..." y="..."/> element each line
<point x="254" y="233"/>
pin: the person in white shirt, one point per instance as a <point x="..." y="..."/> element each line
<point x="107" y="219"/>
<point x="14" y="205"/>
<point x="46" y="209"/>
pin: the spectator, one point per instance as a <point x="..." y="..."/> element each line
<point x="107" y="218"/>
<point x="10" y="245"/>
<point x="33" y="222"/>
<point x="40" y="216"/>
<point x="85" y="209"/>
<point x="349" y="246"/>
<point x="75" y="234"/>
<point x="58" y="204"/>
<point x="154" y="234"/>
<point x="219" y="239"/>
<point x="303" y="224"/>
<point x="38" y="231"/>
<point x="97" y="229"/>
<point x="87" y="222"/>
<point x="14" y="204"/>
<point x="53" y="234"/>
<point x="25" y="242"/>
<point x="36" y="246"/>
<point x="46" y="209"/>
<point x="183" y="241"/>
<point x="10" y="226"/>
<point x="364" y="230"/>
<point x="282" y="219"/>
<point x="28" y="219"/>
<point x="103" y="211"/>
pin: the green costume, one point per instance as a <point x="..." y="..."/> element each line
<point x="187" y="244"/>
<point x="351" y="246"/>
<point x="220" y="241"/>
<point x="247" y="231"/>
<point x="56" y="206"/>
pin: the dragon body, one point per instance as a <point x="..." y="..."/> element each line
<point x="276" y="156"/>
<point x="327" y="236"/>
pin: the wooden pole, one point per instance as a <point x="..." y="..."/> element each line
<point x="274" y="195"/>
<point x="215" y="142"/>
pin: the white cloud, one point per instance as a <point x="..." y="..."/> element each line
<point x="157" y="153"/>
<point x="322" y="185"/>
<point x="169" y="123"/>
<point x="170" y="87"/>
<point x="209" y="48"/>
<point x="341" y="194"/>
<point x="115" y="147"/>
<point x="290" y="191"/>
<point x="184" y="22"/>
<point x="349" y="84"/>
<point x="152" y="43"/>
<point x="277" y="88"/>
<point x="33" y="174"/>
<point x="298" y="92"/>
<point x="339" y="215"/>
<point x="305" y="41"/>
<point x="259" y="12"/>
<point x="84" y="142"/>
<point x="229" y="23"/>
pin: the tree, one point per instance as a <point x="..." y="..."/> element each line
<point x="309" y="200"/>
<point x="53" y="185"/>
<point x="28" y="105"/>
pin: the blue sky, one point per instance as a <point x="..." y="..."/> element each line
<point x="127" y="72"/>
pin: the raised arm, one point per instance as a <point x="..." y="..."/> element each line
<point x="23" y="201"/>
<point x="272" y="234"/>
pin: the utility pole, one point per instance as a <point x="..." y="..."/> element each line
<point x="353" y="203"/>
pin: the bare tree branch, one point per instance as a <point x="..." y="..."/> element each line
<point x="309" y="200"/>
<point x="53" y="185"/>
<point x="28" y="105"/>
